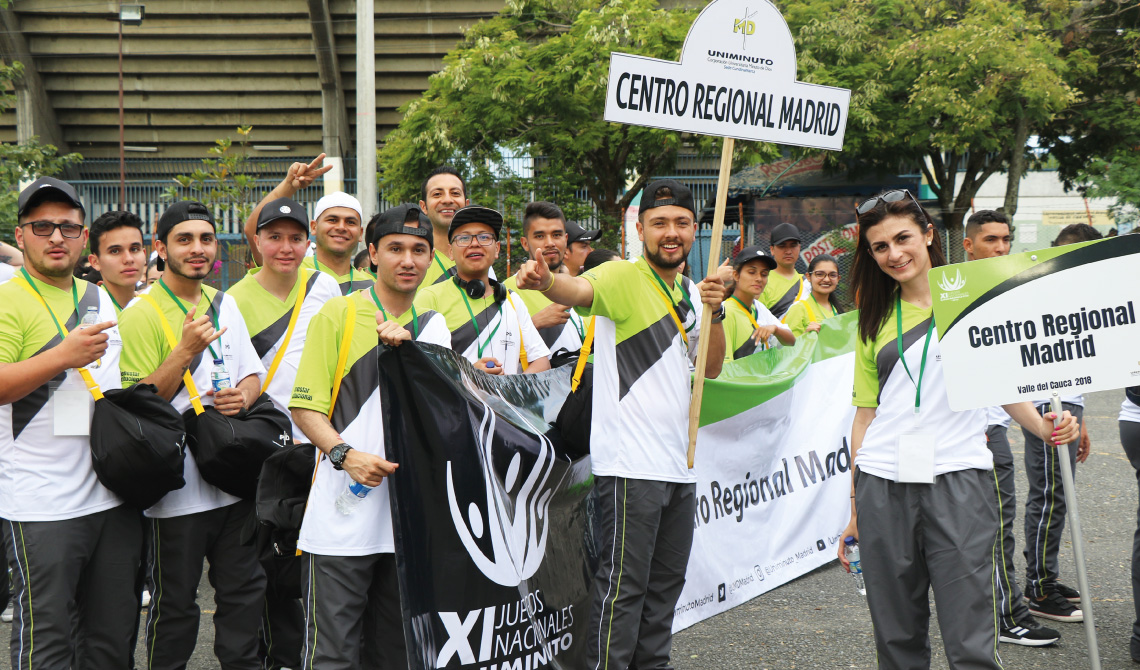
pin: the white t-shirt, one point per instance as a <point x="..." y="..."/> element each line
<point x="45" y="477"/>
<point x="6" y="272"/>
<point x="1129" y="411"/>
<point x="997" y="416"/>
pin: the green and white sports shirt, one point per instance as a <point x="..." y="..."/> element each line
<point x="882" y="382"/>
<point x="780" y="292"/>
<point x="642" y="382"/>
<point x="267" y="319"/>
<point x="355" y="280"/>
<point x="357" y="417"/>
<point x="738" y="329"/>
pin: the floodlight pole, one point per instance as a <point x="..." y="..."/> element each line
<point x="366" y="107"/>
<point x="122" y="132"/>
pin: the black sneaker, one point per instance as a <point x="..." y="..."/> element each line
<point x="1056" y="607"/>
<point x="1068" y="593"/>
<point x="1029" y="633"/>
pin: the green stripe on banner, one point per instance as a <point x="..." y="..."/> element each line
<point x="756" y="379"/>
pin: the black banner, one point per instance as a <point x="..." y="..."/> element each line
<point x="491" y="514"/>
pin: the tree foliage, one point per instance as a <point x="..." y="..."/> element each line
<point x="532" y="81"/>
<point x="22" y="162"/>
<point x="222" y="183"/>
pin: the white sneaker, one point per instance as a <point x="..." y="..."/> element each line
<point x="6" y="617"/>
<point x="145" y="598"/>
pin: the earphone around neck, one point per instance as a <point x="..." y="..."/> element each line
<point x="476" y="288"/>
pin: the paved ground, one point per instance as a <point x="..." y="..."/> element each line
<point x="818" y="621"/>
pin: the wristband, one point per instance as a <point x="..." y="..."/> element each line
<point x="718" y="315"/>
<point x="548" y="286"/>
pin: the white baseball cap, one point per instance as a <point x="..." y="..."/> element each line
<point x="338" y="199"/>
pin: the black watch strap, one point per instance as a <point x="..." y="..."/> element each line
<point x="337" y="455"/>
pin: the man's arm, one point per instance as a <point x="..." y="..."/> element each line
<point x="231" y="401"/>
<point x="11" y="255"/>
<point x="712" y="297"/>
<point x="562" y="289"/>
<point x="367" y="469"/>
<point x="196" y="336"/>
<point x="298" y="177"/>
<point x="81" y="347"/>
<point x="541" y="365"/>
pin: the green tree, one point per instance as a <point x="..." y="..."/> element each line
<point x="533" y="81"/>
<point x="222" y="183"/>
<point x="1117" y="177"/>
<point x="943" y="85"/>
<point x="22" y="162"/>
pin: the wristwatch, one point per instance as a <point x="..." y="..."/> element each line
<point x="718" y="315"/>
<point x="337" y="455"/>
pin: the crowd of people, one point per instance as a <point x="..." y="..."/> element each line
<point x="932" y="499"/>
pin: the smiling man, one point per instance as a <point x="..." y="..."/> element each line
<point x="442" y="194"/>
<point x="117" y="252"/>
<point x="785" y="285"/>
<point x="490" y="325"/>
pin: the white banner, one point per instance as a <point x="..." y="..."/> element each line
<point x="772" y="494"/>
<point x="736" y="78"/>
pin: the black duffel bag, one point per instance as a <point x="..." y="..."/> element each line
<point x="282" y="493"/>
<point x="1133" y="395"/>
<point x="230" y="450"/>
<point x="138" y="443"/>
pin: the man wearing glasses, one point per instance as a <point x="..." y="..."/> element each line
<point x="490" y="326"/>
<point x="73" y="547"/>
<point x="785" y="285"/>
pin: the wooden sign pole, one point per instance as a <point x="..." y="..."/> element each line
<point x="706" y="314"/>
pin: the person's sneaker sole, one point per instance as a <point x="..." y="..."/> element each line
<point x="1022" y="637"/>
<point x="1076" y="617"/>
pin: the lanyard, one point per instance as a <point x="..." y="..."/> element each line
<point x="577" y="325"/>
<point x="751" y="317"/>
<point x="439" y="262"/>
<point x="833" y="311"/>
<point x="669" y="295"/>
<point x="899" y="339"/>
<point x="113" y="301"/>
<point x="54" y="319"/>
<point x="475" y="322"/>
<point x="182" y="307"/>
<point x="415" y="325"/>
<point x="317" y="267"/>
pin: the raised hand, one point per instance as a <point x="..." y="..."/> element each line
<point x="197" y="334"/>
<point x="84" y="345"/>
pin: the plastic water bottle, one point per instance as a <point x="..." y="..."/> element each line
<point x="220" y="376"/>
<point x="351" y="497"/>
<point x="851" y="551"/>
<point x="90" y="319"/>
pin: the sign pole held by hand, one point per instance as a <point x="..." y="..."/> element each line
<point x="706" y="314"/>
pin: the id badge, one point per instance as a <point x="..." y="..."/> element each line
<point x="916" y="456"/>
<point x="72" y="407"/>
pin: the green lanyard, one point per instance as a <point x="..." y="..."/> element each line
<point x="833" y="312"/>
<point x="182" y="307"/>
<point x="54" y="318"/>
<point x="577" y="325"/>
<point x="439" y="262"/>
<point x="317" y="267"/>
<point x="925" y="347"/>
<point x="669" y="294"/>
<point x="415" y="325"/>
<point x="113" y="301"/>
<point x="475" y="323"/>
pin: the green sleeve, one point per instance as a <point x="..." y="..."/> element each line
<point x="797" y="319"/>
<point x="11" y="336"/>
<point x="613" y="295"/>
<point x="866" y="391"/>
<point x="312" y="388"/>
<point x="144" y="343"/>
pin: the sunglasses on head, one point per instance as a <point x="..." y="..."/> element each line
<point x="890" y="196"/>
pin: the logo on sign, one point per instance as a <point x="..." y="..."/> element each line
<point x="518" y="528"/>
<point x="745" y="26"/>
<point x="952" y="288"/>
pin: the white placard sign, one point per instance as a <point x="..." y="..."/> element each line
<point x="736" y="78"/>
<point x="1022" y="326"/>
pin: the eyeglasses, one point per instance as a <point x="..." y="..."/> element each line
<point x="890" y="196"/>
<point x="465" y="240"/>
<point x="821" y="275"/>
<point x="48" y="228"/>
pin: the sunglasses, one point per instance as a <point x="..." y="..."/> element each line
<point x="890" y="196"/>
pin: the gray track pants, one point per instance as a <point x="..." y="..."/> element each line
<point x="646" y="534"/>
<point x="1011" y="606"/>
<point x="914" y="537"/>
<point x="76" y="578"/>
<point x="353" y="617"/>
<point x="1044" y="508"/>
<point x="1130" y="439"/>
<point x="178" y="547"/>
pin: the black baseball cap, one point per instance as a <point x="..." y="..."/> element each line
<point x="677" y="194"/>
<point x="753" y="254"/>
<point x="179" y="212"/>
<point x="783" y="233"/>
<point x="395" y="221"/>
<point x="476" y="214"/>
<point x="47" y="189"/>
<point x="283" y="208"/>
<point x="576" y="233"/>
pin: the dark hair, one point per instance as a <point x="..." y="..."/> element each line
<point x="362" y="258"/>
<point x="1076" y="232"/>
<point x="92" y="276"/>
<point x="108" y="222"/>
<point x="981" y="218"/>
<point x="828" y="258"/>
<point x="540" y="209"/>
<point x="442" y="169"/>
<point x="599" y="256"/>
<point x="874" y="289"/>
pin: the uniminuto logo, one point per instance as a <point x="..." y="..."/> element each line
<point x="517" y="531"/>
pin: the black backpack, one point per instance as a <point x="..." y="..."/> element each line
<point x="573" y="420"/>
<point x="282" y="492"/>
<point x="138" y="444"/>
<point x="230" y="450"/>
